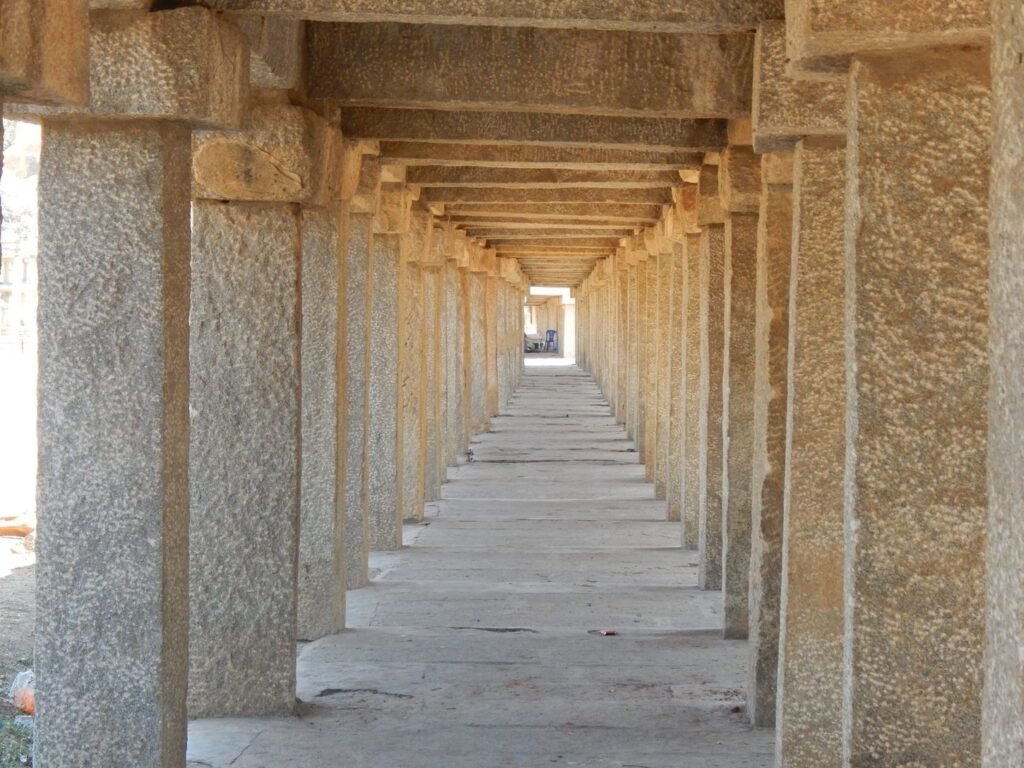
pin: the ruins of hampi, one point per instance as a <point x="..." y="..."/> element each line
<point x="304" y="498"/>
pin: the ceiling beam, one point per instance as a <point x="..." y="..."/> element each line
<point x="411" y="153"/>
<point x="695" y="16"/>
<point x="539" y="178"/>
<point x="535" y="129"/>
<point x="532" y="70"/>
<point x="535" y="196"/>
<point x="647" y="214"/>
<point x="608" y="243"/>
<point x="476" y="223"/>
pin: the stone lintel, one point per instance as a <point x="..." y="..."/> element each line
<point x="534" y="129"/>
<point x="382" y="65"/>
<point x="188" y="65"/>
<point x="538" y="178"/>
<point x="709" y="201"/>
<point x="785" y="109"/>
<point x="739" y="180"/>
<point x="287" y="155"/>
<point x="535" y="196"/>
<point x="822" y="35"/>
<point x="44" y="51"/>
<point x="706" y="17"/>
<point x="413" y="153"/>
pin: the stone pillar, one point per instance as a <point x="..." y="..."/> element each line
<point x="774" y="254"/>
<point x="382" y="471"/>
<point x="691" y="395"/>
<point x="676" y="387"/>
<point x="665" y="344"/>
<point x="1003" y="702"/>
<point x="434" y="354"/>
<point x="916" y="494"/>
<point x="114" y="197"/>
<point x="809" y="719"/>
<point x="491" y="321"/>
<point x="413" y="336"/>
<point x="475" y="282"/>
<point x="622" y="337"/>
<point x="454" y="351"/>
<point x="253" y="258"/>
<point x="649" y="386"/>
<point x="113" y="443"/>
<point x="633" y="353"/>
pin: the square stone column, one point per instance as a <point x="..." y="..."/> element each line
<point x="633" y="355"/>
<point x="809" y="719"/>
<point x="649" y="385"/>
<point x="454" y="357"/>
<point x="738" y="418"/>
<point x="622" y="280"/>
<point x="491" y="321"/>
<point x="917" y="267"/>
<point x="676" y="384"/>
<point x="434" y="352"/>
<point x="476" y="352"/>
<point x="413" y="333"/>
<point x="1003" y="702"/>
<point x="665" y="343"/>
<point x="111" y="657"/>
<point x="712" y="366"/>
<point x="774" y="256"/>
<point x="692" y="395"/>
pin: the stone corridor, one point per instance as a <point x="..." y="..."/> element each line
<point x="479" y="645"/>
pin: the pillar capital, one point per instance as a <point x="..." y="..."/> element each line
<point x="739" y="180"/>
<point x="777" y="169"/>
<point x="393" y="210"/>
<point x="359" y="185"/>
<point x="188" y="65"/>
<point x="686" y="204"/>
<point x="286" y="155"/>
<point x="44" y="51"/>
<point x="786" y="109"/>
<point x="709" y="202"/>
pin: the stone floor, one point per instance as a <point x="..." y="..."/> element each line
<point x="480" y="644"/>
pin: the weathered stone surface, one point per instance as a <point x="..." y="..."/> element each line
<point x="113" y="445"/>
<point x="713" y="352"/>
<point x="533" y="212"/>
<point x="738" y="418"/>
<point x="701" y="16"/>
<point x="509" y="69"/>
<point x="824" y="33"/>
<point x="384" y="516"/>
<point x="357" y="346"/>
<point x="321" y="584"/>
<point x="434" y="367"/>
<point x="589" y="158"/>
<point x="622" y="337"/>
<point x="475" y="288"/>
<point x="739" y="180"/>
<point x="709" y="199"/>
<point x="411" y="376"/>
<point x="188" y="65"/>
<point x="632" y="355"/>
<point x="786" y="109"/>
<point x="533" y="196"/>
<point x="44" y="51"/>
<point x="918" y="282"/>
<point x="649" y="382"/>
<point x="664" y="371"/>
<point x="491" y="320"/>
<point x="810" y="682"/>
<point x="692" y="395"/>
<point x="276" y="47"/>
<point x="244" y="528"/>
<point x="287" y="154"/>
<point x="455" y="345"/>
<point x="677" y="413"/>
<point x="774" y="257"/>
<point x="1003" y="702"/>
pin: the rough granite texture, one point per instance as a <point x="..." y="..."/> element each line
<point x="476" y="352"/>
<point x="632" y="356"/>
<point x="700" y="16"/>
<point x="491" y="320"/>
<point x="824" y="33"/>
<point x="356" y="264"/>
<point x="44" y="51"/>
<point x="535" y="128"/>
<point x="641" y="339"/>
<point x="453" y="329"/>
<point x="649" y="384"/>
<point x="786" y="109"/>
<point x="384" y="518"/>
<point x="276" y="50"/>
<point x="739" y="180"/>
<point x="916" y="490"/>
<point x="713" y="353"/>
<point x="526" y="157"/>
<point x="692" y="395"/>
<point x="321" y="609"/>
<point x="433" y="367"/>
<point x="503" y="68"/>
<point x="113" y="447"/>
<point x="1003" y="702"/>
<point x="774" y="256"/>
<point x="810" y="682"/>
<point x="411" y="383"/>
<point x="244" y="460"/>
<point x="664" y="372"/>
<point x="677" y="413"/>
<point x="622" y="339"/>
<point x="738" y="419"/>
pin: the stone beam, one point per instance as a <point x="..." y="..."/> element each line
<point x="607" y="243"/>
<point x="695" y="16"/>
<point x="823" y="34"/>
<point x="535" y="129"/>
<point x="575" y="211"/>
<point x="786" y="110"/>
<point x="548" y="234"/>
<point x="564" y="158"/>
<point x="535" y="196"/>
<point x="678" y="76"/>
<point x="276" y="47"/>
<point x="539" y="178"/>
<point x="44" y="51"/>
<point x="480" y="222"/>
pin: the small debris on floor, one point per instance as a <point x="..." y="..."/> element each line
<point x="604" y="632"/>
